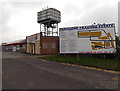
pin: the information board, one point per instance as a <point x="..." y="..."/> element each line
<point x="88" y="39"/>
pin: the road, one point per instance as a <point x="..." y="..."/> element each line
<point x="23" y="71"/>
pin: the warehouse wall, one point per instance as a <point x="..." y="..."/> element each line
<point x="33" y="44"/>
<point x="23" y="48"/>
<point x="37" y="47"/>
<point x="43" y="45"/>
<point x="28" y="48"/>
<point x="49" y="45"/>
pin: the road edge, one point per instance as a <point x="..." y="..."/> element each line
<point x="86" y="67"/>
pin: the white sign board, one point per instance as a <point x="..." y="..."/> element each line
<point x="32" y="38"/>
<point x="88" y="39"/>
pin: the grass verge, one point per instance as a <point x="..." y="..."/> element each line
<point x="85" y="60"/>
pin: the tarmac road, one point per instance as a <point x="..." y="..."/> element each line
<point x="21" y="71"/>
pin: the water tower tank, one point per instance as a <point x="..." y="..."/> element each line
<point x="49" y="18"/>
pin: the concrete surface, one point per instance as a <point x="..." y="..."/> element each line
<point x="23" y="71"/>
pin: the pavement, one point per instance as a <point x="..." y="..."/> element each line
<point x="12" y="54"/>
<point x="23" y="71"/>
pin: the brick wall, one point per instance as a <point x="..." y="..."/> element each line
<point x="49" y="45"/>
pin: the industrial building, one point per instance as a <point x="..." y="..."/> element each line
<point x="49" y="44"/>
<point x="39" y="44"/>
<point x="33" y="44"/>
<point x="18" y="45"/>
<point x="45" y="42"/>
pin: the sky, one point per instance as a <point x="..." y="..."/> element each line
<point x="18" y="18"/>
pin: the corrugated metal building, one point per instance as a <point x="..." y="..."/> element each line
<point x="18" y="45"/>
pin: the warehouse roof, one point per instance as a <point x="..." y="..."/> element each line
<point x="14" y="42"/>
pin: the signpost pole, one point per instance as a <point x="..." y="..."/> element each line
<point x="78" y="57"/>
<point x="104" y="56"/>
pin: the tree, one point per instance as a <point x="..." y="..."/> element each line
<point x="118" y="44"/>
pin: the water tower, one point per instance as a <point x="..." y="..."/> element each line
<point x="49" y="19"/>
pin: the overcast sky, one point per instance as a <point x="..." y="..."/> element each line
<point x="18" y="18"/>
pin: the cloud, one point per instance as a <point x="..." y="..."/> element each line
<point x="99" y="13"/>
<point x="19" y="17"/>
<point x="104" y="14"/>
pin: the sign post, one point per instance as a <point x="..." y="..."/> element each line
<point x="78" y="57"/>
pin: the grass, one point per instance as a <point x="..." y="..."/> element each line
<point x="87" y="60"/>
